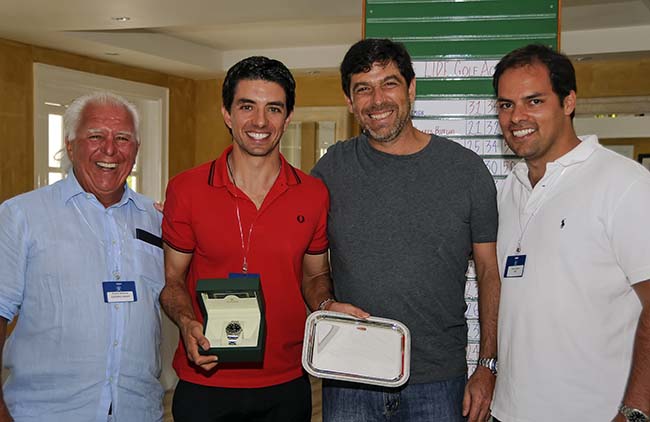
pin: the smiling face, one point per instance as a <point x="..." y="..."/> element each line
<point x="258" y="117"/>
<point x="536" y="126"/>
<point x="103" y="151"/>
<point x="381" y="101"/>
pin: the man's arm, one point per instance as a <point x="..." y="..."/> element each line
<point x="479" y="389"/>
<point x="177" y="304"/>
<point x="4" y="412"/>
<point x="637" y="394"/>
<point x="317" y="286"/>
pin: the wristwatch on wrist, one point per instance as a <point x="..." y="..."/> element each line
<point x="233" y="331"/>
<point x="489" y="363"/>
<point x="633" y="415"/>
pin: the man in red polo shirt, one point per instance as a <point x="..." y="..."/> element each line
<point x="248" y="211"/>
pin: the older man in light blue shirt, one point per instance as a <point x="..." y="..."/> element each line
<point x="82" y="267"/>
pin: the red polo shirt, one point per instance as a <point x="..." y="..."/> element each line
<point x="200" y="217"/>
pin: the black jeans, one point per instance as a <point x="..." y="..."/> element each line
<point x="288" y="402"/>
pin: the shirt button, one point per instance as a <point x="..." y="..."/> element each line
<point x="117" y="306"/>
<point x="113" y="242"/>
<point x="110" y="379"/>
<point x="115" y="343"/>
<point x="116" y="275"/>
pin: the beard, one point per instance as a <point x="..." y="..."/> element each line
<point x="394" y="131"/>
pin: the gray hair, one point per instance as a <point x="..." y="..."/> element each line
<point x="72" y="119"/>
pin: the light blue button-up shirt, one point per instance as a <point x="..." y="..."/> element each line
<point x="71" y="354"/>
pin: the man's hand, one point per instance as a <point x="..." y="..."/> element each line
<point x="193" y="338"/>
<point x="478" y="395"/>
<point x="177" y="303"/>
<point x="347" y="308"/>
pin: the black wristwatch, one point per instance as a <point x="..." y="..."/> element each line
<point x="633" y="415"/>
<point x="489" y="363"/>
<point x="233" y="331"/>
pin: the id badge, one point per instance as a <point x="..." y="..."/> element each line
<point x="515" y="266"/>
<point x="119" y="291"/>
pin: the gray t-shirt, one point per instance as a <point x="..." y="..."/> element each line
<point x="401" y="229"/>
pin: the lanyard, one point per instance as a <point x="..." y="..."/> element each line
<point x="550" y="184"/>
<point x="85" y="220"/>
<point x="245" y="246"/>
<point x="116" y="259"/>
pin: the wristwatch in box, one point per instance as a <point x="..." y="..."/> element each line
<point x="233" y="331"/>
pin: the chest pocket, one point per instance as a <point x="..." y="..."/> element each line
<point x="148" y="265"/>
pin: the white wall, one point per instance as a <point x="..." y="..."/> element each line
<point x="620" y="127"/>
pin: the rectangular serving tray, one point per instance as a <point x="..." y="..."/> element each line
<point x="373" y="351"/>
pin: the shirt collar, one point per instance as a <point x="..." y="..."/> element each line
<point x="218" y="175"/>
<point x="580" y="153"/>
<point x="70" y="188"/>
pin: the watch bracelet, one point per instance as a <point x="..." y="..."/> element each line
<point x="324" y="303"/>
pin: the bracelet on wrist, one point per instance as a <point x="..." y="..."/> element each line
<point x="490" y="363"/>
<point x="324" y="303"/>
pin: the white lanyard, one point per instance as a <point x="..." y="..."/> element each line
<point x="118" y="259"/>
<point x="541" y="202"/>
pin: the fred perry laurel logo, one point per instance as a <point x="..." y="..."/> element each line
<point x="301" y="219"/>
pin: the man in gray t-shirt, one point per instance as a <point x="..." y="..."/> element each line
<point x="407" y="210"/>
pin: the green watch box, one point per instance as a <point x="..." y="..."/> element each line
<point x="233" y="318"/>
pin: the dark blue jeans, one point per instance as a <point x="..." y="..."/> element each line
<point x="434" y="402"/>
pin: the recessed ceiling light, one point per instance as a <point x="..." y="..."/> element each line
<point x="121" y="18"/>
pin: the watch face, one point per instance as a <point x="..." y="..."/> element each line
<point x="634" y="415"/>
<point x="233" y="328"/>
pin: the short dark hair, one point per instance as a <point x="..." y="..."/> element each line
<point x="259" y="68"/>
<point x="362" y="55"/>
<point x="560" y="68"/>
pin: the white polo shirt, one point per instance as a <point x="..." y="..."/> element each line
<point x="567" y="325"/>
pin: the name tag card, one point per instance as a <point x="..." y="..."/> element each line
<point x="515" y="266"/>
<point x="119" y="291"/>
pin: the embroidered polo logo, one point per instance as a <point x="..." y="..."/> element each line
<point x="301" y="219"/>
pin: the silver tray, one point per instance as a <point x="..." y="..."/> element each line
<point x="371" y="351"/>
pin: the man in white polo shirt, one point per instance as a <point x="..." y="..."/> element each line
<point x="574" y="257"/>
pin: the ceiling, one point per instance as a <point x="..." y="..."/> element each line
<point x="201" y="38"/>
